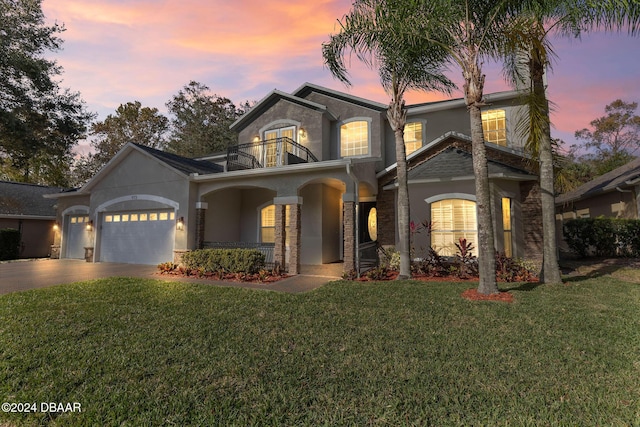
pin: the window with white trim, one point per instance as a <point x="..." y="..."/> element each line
<point x="354" y="138"/>
<point x="494" y="127"/>
<point x="268" y="224"/>
<point x="453" y="219"/>
<point x="412" y="137"/>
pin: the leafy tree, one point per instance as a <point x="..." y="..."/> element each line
<point x="131" y="123"/>
<point x="528" y="53"/>
<point x="200" y="121"/>
<point x="470" y="31"/>
<point x="371" y="30"/>
<point x="617" y="133"/>
<point x="39" y="121"/>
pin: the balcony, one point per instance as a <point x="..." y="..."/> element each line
<point x="267" y="154"/>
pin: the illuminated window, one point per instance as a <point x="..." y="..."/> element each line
<point x="412" y="137"/>
<point x="453" y="219"/>
<point x="143" y="217"/>
<point x="268" y="224"/>
<point x="354" y="138"/>
<point x="273" y="156"/>
<point x="506" y="225"/>
<point x="494" y="126"/>
<point x="164" y="216"/>
<point x="74" y="220"/>
<point x="116" y="218"/>
<point x="134" y="217"/>
<point x="153" y="216"/>
<point x="172" y="216"/>
<point x="125" y="217"/>
<point x="108" y="218"/>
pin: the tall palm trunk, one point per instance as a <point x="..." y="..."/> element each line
<point x="397" y="119"/>
<point x="473" y="90"/>
<point x="550" y="267"/>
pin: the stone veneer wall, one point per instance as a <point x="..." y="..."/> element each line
<point x="349" y="225"/>
<point x="531" y="220"/>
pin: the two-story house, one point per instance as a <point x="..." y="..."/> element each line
<point x="313" y="178"/>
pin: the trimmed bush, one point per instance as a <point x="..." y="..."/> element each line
<point x="606" y="237"/>
<point x="248" y="261"/>
<point x="9" y="244"/>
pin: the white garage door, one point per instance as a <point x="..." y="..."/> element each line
<point x="77" y="236"/>
<point x="140" y="237"/>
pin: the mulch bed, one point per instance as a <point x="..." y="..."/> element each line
<point x="474" y="295"/>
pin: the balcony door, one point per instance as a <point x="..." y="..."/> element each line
<point x="274" y="148"/>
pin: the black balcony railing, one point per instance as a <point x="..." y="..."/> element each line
<point x="266" y="154"/>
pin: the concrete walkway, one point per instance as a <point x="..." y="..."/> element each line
<point x="31" y="274"/>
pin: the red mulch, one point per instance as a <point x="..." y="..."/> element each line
<point x="473" y="295"/>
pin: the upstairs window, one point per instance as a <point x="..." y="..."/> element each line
<point x="354" y="138"/>
<point x="494" y="126"/>
<point x="412" y="137"/>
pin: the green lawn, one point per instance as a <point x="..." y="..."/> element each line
<point x="143" y="352"/>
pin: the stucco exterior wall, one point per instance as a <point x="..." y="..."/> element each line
<point x="285" y="113"/>
<point x="345" y="111"/>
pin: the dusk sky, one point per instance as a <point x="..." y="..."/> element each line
<point x="116" y="51"/>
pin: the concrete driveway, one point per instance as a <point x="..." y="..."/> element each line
<point x="32" y="274"/>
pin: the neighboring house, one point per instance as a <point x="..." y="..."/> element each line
<point x="23" y="207"/>
<point x="303" y="182"/>
<point x="614" y="194"/>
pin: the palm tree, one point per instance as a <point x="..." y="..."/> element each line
<point x="528" y="54"/>
<point x="470" y="31"/>
<point x="372" y="30"/>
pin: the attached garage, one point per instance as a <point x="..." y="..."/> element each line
<point x="77" y="236"/>
<point x="137" y="237"/>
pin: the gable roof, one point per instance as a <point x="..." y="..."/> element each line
<point x="625" y="175"/>
<point x="179" y="164"/>
<point x="307" y="88"/>
<point x="268" y="101"/>
<point x="453" y="163"/>
<point x="21" y="199"/>
<point x="183" y="164"/>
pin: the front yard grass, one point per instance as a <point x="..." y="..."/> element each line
<point x="145" y="352"/>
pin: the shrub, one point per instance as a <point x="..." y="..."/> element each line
<point x="247" y="261"/>
<point x="603" y="236"/>
<point x="9" y="244"/>
<point x="513" y="270"/>
<point x="466" y="263"/>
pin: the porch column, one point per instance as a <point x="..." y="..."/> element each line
<point x="201" y="210"/>
<point x="279" y="252"/>
<point x="294" y="238"/>
<point x="349" y="236"/>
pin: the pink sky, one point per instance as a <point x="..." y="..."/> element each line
<point x="116" y="51"/>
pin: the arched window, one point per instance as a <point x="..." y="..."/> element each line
<point x="268" y="224"/>
<point x="453" y="219"/>
<point x="354" y="138"/>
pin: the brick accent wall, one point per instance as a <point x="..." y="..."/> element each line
<point x="531" y="220"/>
<point x="386" y="207"/>
<point x="200" y="219"/>
<point x="279" y="254"/>
<point x="349" y="224"/>
<point x="295" y="227"/>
